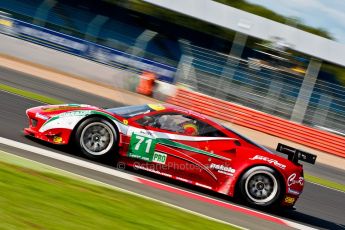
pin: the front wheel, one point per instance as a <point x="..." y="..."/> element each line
<point x="260" y="186"/>
<point x="97" y="138"/>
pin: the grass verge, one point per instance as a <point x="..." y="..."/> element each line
<point x="30" y="95"/>
<point x="41" y="199"/>
<point x="324" y="182"/>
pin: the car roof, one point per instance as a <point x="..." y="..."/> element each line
<point x="170" y="107"/>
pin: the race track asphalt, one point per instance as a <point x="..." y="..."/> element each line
<point x="318" y="207"/>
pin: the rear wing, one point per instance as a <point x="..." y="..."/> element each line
<point x="294" y="154"/>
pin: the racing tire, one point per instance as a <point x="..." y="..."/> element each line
<point x="260" y="187"/>
<point x="97" y="139"/>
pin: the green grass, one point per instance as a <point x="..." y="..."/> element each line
<point x="30" y="95"/>
<point x="37" y="196"/>
<point x="324" y="182"/>
<point x="39" y="199"/>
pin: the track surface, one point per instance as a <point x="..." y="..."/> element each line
<point x="318" y="207"/>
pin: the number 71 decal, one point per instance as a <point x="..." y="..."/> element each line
<point x="143" y="148"/>
<point x="139" y="146"/>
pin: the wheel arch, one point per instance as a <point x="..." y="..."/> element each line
<point x="236" y="191"/>
<point x="95" y="116"/>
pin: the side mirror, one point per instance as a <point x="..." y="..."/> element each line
<point x="237" y="142"/>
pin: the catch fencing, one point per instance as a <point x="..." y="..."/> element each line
<point x="265" y="88"/>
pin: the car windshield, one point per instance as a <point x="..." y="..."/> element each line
<point x="130" y="111"/>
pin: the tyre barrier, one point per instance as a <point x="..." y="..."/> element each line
<point x="240" y="115"/>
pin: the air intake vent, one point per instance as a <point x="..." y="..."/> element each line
<point x="33" y="122"/>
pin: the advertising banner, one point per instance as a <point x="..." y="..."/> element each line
<point x="84" y="49"/>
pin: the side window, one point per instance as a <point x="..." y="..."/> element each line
<point x="181" y="124"/>
<point x="172" y="122"/>
<point x="207" y="130"/>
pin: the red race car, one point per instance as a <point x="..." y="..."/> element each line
<point x="176" y="143"/>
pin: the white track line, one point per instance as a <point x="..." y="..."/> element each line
<point x="67" y="159"/>
<point x="113" y="172"/>
<point x="337" y="190"/>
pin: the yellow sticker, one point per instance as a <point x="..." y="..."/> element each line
<point x="125" y="122"/>
<point x="156" y="107"/>
<point x="58" y="108"/>
<point x="5" y="22"/>
<point x="289" y="200"/>
<point x="57" y="139"/>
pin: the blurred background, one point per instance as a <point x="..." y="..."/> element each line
<point x="273" y="63"/>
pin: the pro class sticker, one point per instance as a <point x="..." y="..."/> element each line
<point x="159" y="158"/>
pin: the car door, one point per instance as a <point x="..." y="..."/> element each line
<point x="219" y="150"/>
<point x="185" y="147"/>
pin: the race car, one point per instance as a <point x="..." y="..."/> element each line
<point x="177" y="143"/>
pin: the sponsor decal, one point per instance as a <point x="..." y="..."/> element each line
<point x="125" y="122"/>
<point x="156" y="107"/>
<point x="57" y="139"/>
<point x="269" y="160"/>
<point x="289" y="200"/>
<point x="159" y="158"/>
<point x="144" y="132"/>
<point x="41" y="116"/>
<point x="223" y="169"/>
<point x="75" y="113"/>
<point x="142" y="147"/>
<point x="293" y="180"/>
<point x="293" y="192"/>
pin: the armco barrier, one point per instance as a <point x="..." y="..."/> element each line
<point x="263" y="122"/>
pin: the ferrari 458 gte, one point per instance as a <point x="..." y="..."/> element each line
<point x="177" y="143"/>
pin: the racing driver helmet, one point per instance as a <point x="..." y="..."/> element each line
<point x="190" y="129"/>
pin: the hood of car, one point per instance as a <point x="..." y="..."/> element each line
<point x="52" y="110"/>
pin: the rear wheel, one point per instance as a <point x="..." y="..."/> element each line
<point x="97" y="138"/>
<point x="260" y="186"/>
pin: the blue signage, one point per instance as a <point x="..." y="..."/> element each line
<point x="86" y="49"/>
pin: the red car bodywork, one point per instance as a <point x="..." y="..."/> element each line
<point x="216" y="162"/>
